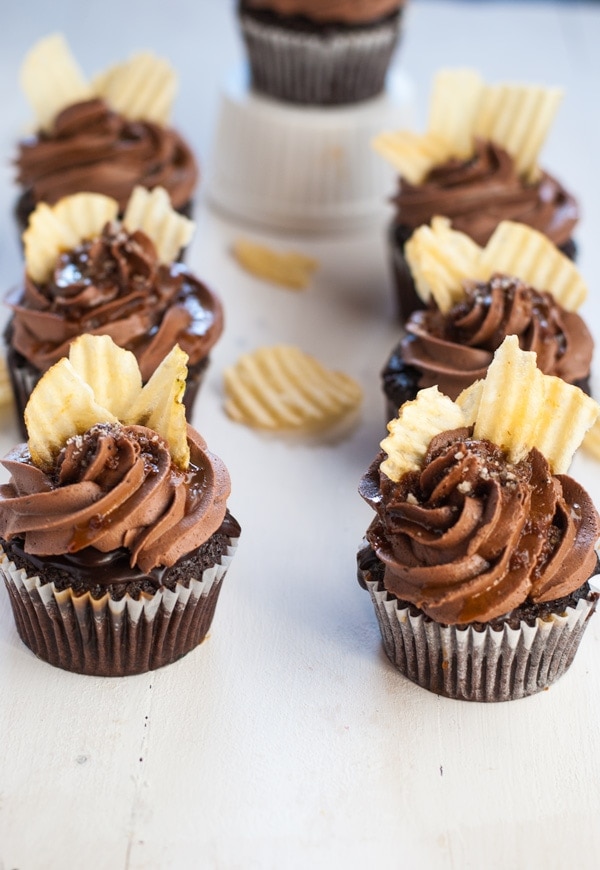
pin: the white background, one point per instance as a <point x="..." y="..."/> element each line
<point x="287" y="740"/>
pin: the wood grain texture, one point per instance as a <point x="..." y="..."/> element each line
<point x="287" y="740"/>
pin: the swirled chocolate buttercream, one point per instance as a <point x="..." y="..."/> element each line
<point x="455" y="349"/>
<point x="114" y="285"/>
<point x="471" y="536"/>
<point x="93" y="148"/>
<point x="115" y="487"/>
<point x="478" y="193"/>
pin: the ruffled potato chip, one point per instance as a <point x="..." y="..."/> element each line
<point x="151" y="212"/>
<point x="516" y="407"/>
<point x="455" y="103"/>
<point x="462" y="107"/>
<point x="62" y="227"/>
<point x="98" y="363"/>
<point x="52" y="80"/>
<point x="518" y="118"/>
<point x="591" y="440"/>
<point x="289" y="269"/>
<point x="61" y="405"/>
<point x="521" y="408"/>
<point x="160" y="406"/>
<point x="440" y="259"/>
<point x="282" y="387"/>
<point x="518" y="250"/>
<point x="141" y="88"/>
<point x="101" y="383"/>
<point x="411" y="154"/>
<point x="6" y="393"/>
<point x="412" y="430"/>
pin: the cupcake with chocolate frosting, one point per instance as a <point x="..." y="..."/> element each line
<point x="320" y="52"/>
<point x="479" y="558"/>
<point x="477" y="165"/>
<point x="114" y="530"/>
<point x="86" y="271"/>
<point x="519" y="284"/>
<point x="107" y="136"/>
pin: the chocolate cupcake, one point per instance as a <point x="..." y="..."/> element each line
<point x="451" y="342"/>
<point x="320" y="52"/>
<point x="115" y="535"/>
<point x="476" y="165"/>
<point x="107" y="136"/>
<point x="104" y="276"/>
<point x="479" y="559"/>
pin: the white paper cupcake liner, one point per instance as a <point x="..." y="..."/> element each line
<point x="302" y="168"/>
<point x="314" y="69"/>
<point x="479" y="665"/>
<point x="104" y="637"/>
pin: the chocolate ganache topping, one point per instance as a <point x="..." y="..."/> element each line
<point x="114" y="285"/>
<point x="95" y="149"/>
<point x="343" y="11"/>
<point x="455" y="349"/>
<point x="478" y="193"/>
<point x="471" y="536"/>
<point x="115" y="487"/>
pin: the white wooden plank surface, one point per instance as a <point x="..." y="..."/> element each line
<point x="287" y="740"/>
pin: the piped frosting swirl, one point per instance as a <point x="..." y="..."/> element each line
<point x="470" y="536"/>
<point x="483" y="190"/>
<point x="115" y="487"/>
<point x="114" y="285"/>
<point x="455" y="349"/>
<point x="91" y="147"/>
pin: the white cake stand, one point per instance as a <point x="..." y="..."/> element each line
<point x="306" y="169"/>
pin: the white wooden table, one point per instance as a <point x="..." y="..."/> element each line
<point x="287" y="740"/>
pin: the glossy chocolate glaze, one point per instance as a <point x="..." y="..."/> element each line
<point x="89" y="570"/>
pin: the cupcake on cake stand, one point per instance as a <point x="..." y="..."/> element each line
<point x="292" y="148"/>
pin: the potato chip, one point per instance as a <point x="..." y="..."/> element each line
<point x="282" y="387"/>
<point x="62" y="227"/>
<point x="61" y="405"/>
<point x="141" y="88"/>
<point x="462" y="107"/>
<point x="469" y="400"/>
<point x="159" y="405"/>
<point x="591" y="440"/>
<point x="411" y="432"/>
<point x="97" y="363"/>
<point x="6" y="393"/>
<point x="151" y="212"/>
<point x="511" y="400"/>
<point x="440" y="259"/>
<point x="411" y="154"/>
<point x="567" y="415"/>
<point x="518" y="118"/>
<point x="52" y="80"/>
<point x="290" y="269"/>
<point x="79" y="392"/>
<point x="521" y="408"/>
<point x="518" y="250"/>
<point x="455" y="102"/>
